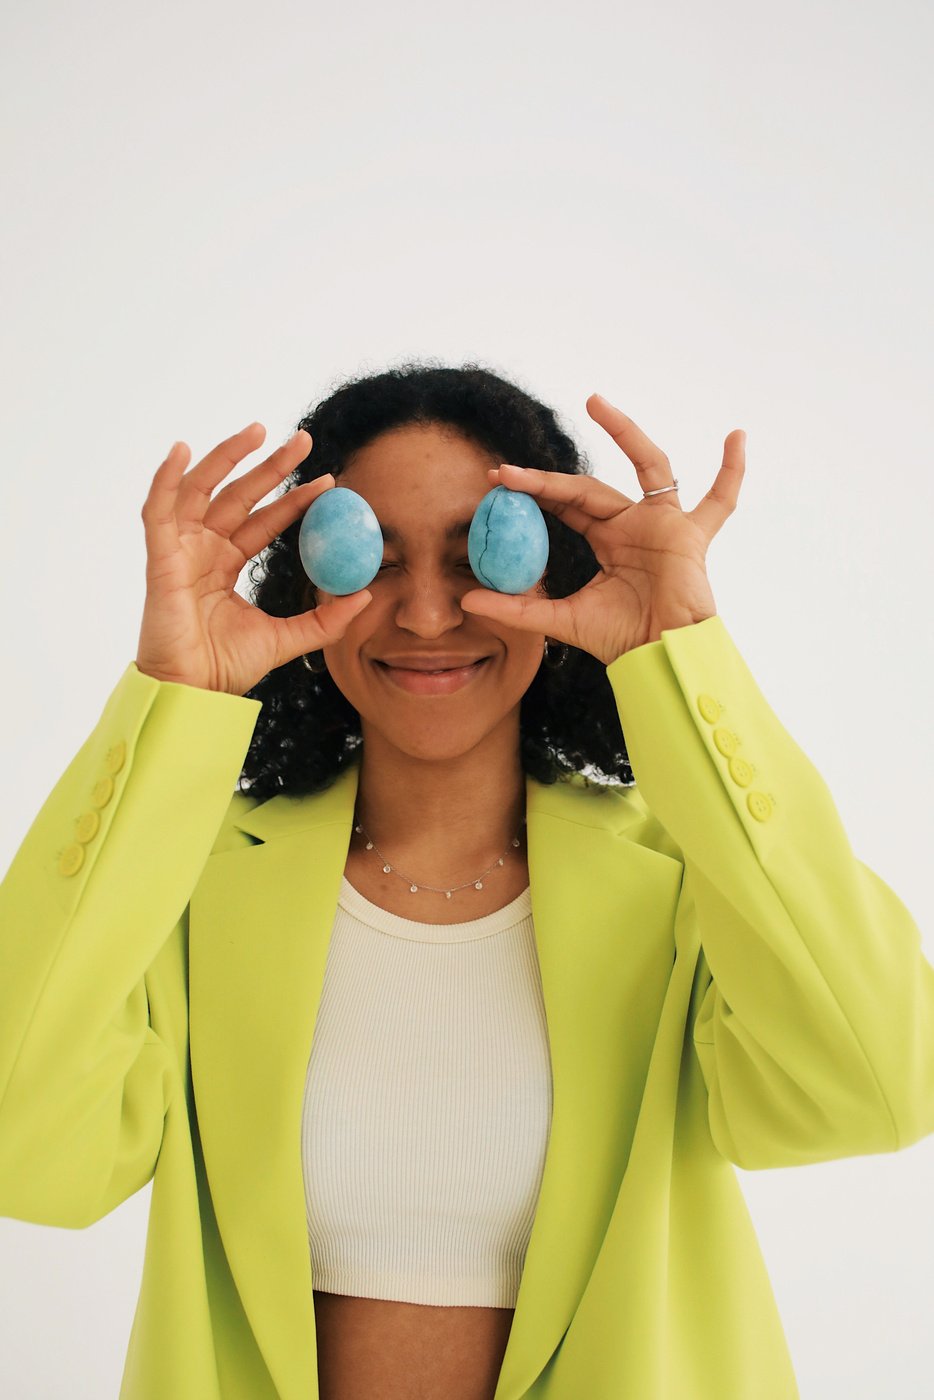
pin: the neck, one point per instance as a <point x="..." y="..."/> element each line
<point x="445" y="819"/>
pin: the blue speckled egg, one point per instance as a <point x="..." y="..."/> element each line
<point x="508" y="541"/>
<point x="340" y="542"/>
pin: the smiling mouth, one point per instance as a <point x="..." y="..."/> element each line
<point x="439" y="682"/>
<point x="441" y="671"/>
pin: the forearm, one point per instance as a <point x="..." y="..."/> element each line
<point x="99" y="883"/>
<point x="820" y="1016"/>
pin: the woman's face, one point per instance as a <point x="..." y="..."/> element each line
<point x="422" y="481"/>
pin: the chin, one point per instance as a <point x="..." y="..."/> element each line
<point x="439" y="747"/>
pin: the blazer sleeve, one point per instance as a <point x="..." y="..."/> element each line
<point x="815" y="1024"/>
<point x="99" y="884"/>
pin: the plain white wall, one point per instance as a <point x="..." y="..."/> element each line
<point x="719" y="216"/>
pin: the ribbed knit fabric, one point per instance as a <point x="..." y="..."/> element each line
<point x="427" y="1106"/>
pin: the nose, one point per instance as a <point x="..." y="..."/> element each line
<point x="428" y="603"/>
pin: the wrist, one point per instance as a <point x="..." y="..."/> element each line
<point x="654" y="634"/>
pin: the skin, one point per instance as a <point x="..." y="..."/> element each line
<point x="441" y="789"/>
<point x="651" y="552"/>
<point x="440" y="775"/>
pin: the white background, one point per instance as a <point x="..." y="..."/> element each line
<point x="717" y="215"/>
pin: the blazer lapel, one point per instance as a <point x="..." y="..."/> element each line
<point x="260" y="926"/>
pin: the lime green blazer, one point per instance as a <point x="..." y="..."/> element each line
<point x="725" y="984"/>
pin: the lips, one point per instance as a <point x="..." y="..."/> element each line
<point x="447" y="664"/>
<point x="430" y="671"/>
<point x="441" y="682"/>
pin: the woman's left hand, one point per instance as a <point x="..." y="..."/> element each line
<point x="651" y="553"/>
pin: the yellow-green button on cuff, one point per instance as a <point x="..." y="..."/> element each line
<point x="741" y="772"/>
<point x="86" y="827"/>
<point x="760" y="806"/>
<point x="102" y="792"/>
<point x="71" y="859"/>
<point x="726" y="741"/>
<point x="709" y="708"/>
<point x="115" y="758"/>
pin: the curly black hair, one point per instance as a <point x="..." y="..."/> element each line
<point x="307" y="732"/>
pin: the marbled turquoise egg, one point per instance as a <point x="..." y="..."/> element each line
<point x="340" y="542"/>
<point x="508" y="541"/>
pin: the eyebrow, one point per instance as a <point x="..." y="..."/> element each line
<point x="457" y="531"/>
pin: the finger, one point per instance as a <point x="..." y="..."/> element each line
<point x="652" y="466"/>
<point x="320" y="626"/>
<point x="264" y="525"/>
<point x="158" y="512"/>
<point x="720" y="501"/>
<point x="194" y="495"/>
<point x="231" y="506"/>
<point x="576" y="499"/>
<point x="529" y="612"/>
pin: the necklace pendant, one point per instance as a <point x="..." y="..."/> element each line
<point x="478" y="885"/>
<point x="369" y="845"/>
<point x="448" y="896"/>
<point x="413" y="888"/>
<point x="500" y="860"/>
<point x="386" y="869"/>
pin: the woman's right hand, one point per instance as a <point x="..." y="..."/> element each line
<point x="196" y="629"/>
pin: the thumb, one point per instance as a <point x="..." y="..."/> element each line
<point x="532" y="613"/>
<point x="330" y="620"/>
<point x="323" y="624"/>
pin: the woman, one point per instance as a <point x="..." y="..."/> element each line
<point x="438" y="1051"/>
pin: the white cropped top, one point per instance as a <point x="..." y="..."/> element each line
<point x="427" y="1106"/>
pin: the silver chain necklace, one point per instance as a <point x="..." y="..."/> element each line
<point x="477" y="883"/>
